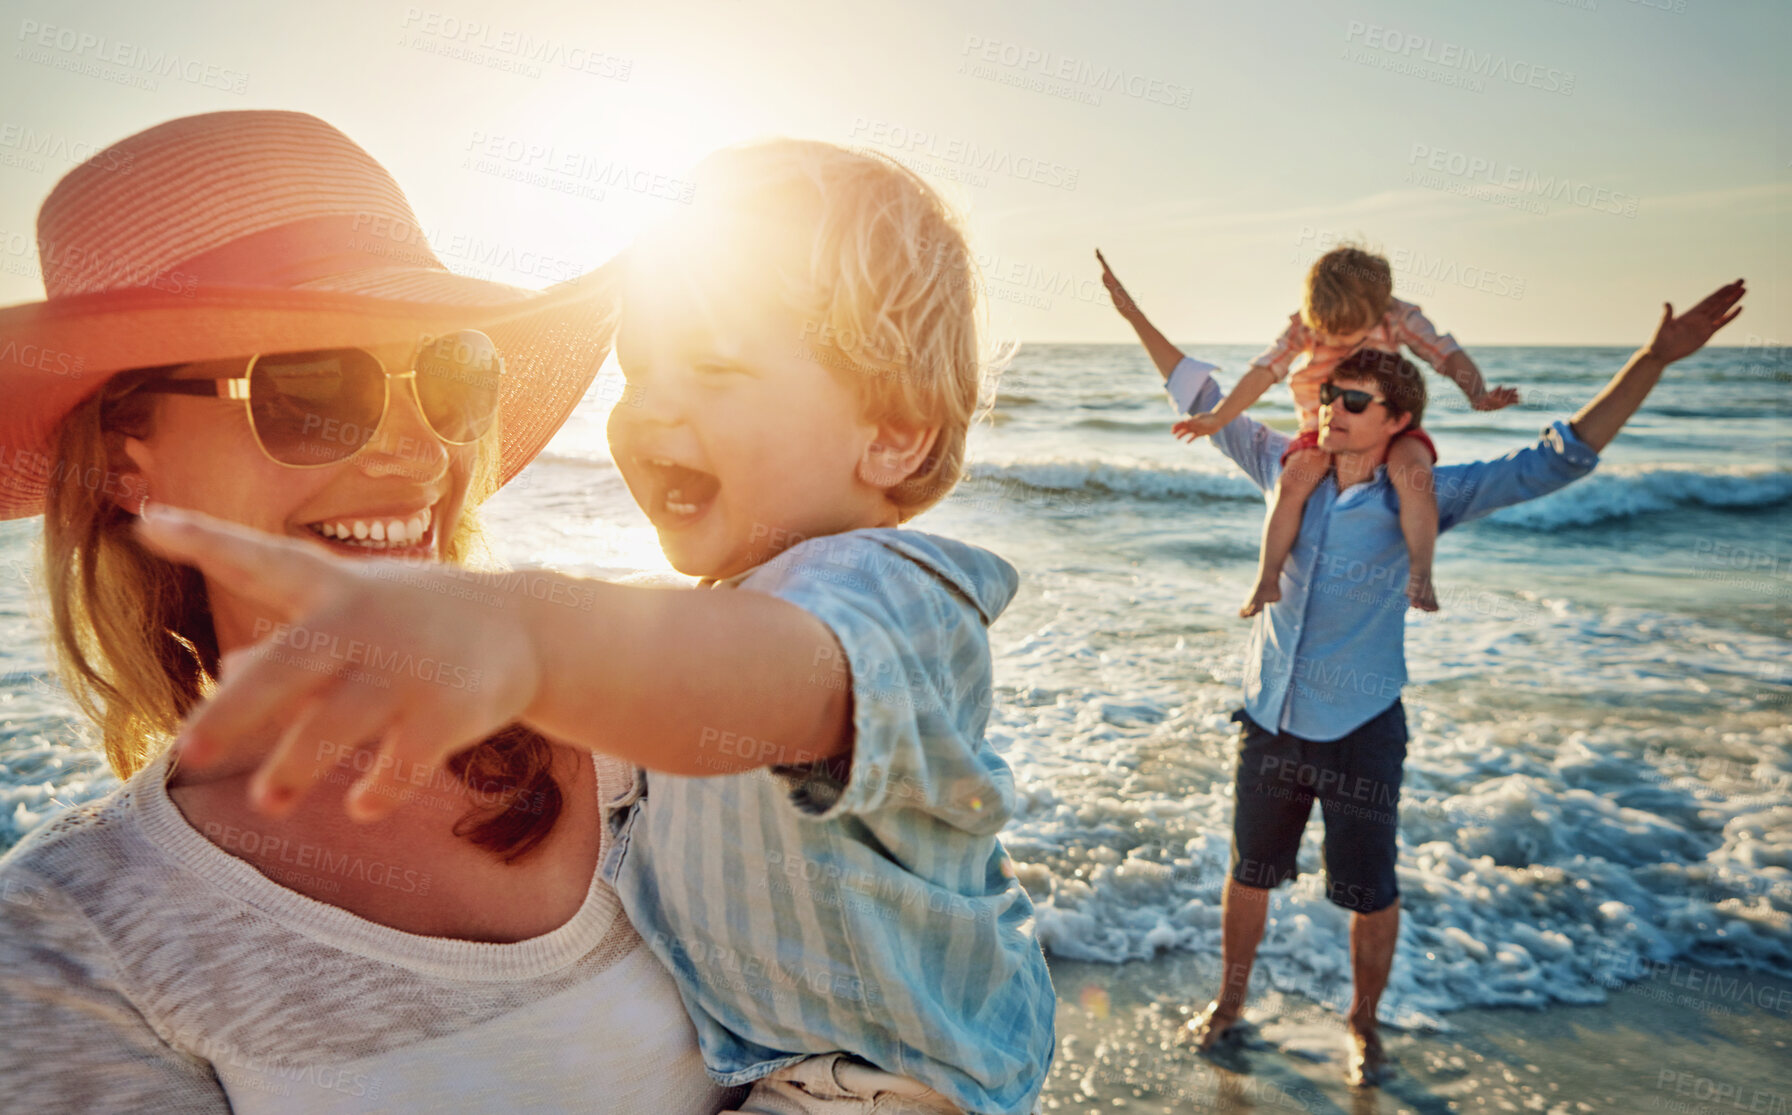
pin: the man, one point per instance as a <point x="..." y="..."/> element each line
<point x="1322" y="714"/>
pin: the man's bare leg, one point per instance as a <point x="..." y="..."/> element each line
<point x="1372" y="940"/>
<point x="1244" y="911"/>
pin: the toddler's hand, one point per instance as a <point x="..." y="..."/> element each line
<point x="1197" y="425"/>
<point x="407" y="654"/>
<point x="1497" y="398"/>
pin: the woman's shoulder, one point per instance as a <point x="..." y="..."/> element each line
<point x="82" y="845"/>
<point x="57" y="882"/>
<point x="102" y="876"/>
<point x="80" y="1036"/>
<point x="615" y="777"/>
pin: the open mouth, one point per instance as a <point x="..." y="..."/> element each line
<point x="412" y="533"/>
<point x="677" y="496"/>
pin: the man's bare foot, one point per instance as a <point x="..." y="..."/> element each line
<point x="1365" y="1066"/>
<point x="1209" y="1029"/>
<point x="1266" y="592"/>
<point x="1420" y="593"/>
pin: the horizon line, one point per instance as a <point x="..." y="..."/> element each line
<point x="1764" y="345"/>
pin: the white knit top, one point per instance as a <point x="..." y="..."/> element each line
<point x="144" y="969"/>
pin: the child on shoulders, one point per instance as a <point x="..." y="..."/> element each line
<point x="1349" y="305"/>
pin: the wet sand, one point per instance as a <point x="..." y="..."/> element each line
<point x="1685" y="1039"/>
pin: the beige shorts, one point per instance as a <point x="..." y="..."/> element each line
<point x="840" y="1084"/>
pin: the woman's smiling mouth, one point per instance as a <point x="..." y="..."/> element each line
<point x="408" y="533"/>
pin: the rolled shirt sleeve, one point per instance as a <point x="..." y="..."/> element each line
<point x="1469" y="491"/>
<point x="1254" y="447"/>
<point x="1188" y="383"/>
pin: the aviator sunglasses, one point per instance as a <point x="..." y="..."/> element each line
<point x="317" y="408"/>
<point x="1354" y="401"/>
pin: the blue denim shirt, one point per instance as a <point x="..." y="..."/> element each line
<point x="802" y="913"/>
<point x="1330" y="655"/>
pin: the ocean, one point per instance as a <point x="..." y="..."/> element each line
<point x="1599" y="781"/>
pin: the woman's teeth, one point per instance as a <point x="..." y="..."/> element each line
<point x="377" y="534"/>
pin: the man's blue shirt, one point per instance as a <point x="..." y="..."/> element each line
<point x="1331" y="653"/>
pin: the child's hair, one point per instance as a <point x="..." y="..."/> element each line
<point x="1348" y="288"/>
<point x="878" y="267"/>
<point x="1396" y="376"/>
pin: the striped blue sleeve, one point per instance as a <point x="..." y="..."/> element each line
<point x="915" y="657"/>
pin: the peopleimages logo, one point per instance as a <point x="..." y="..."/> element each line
<point x="27" y="147"/>
<point x="1404" y="51"/>
<point x="504" y="48"/>
<point x="961" y="159"/>
<point x="1420" y="273"/>
<point x="126" y="63"/>
<point x="1041" y="70"/>
<point x="1521" y="187"/>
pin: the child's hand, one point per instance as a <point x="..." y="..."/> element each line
<point x="1198" y="425"/>
<point x="1122" y="300"/>
<point x="362" y="650"/>
<point x="1495" y="398"/>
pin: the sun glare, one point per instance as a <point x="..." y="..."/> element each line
<point x="590" y="177"/>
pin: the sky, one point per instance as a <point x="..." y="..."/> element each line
<point x="1537" y="171"/>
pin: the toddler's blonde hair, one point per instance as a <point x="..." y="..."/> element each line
<point x="878" y="266"/>
<point x="1348" y="288"/>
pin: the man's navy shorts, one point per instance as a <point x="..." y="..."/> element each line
<point x="1357" y="781"/>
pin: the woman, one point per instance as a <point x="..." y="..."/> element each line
<point x="226" y="331"/>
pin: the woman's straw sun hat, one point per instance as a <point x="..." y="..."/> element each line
<point x="234" y="233"/>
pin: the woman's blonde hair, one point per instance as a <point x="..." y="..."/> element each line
<point x="1348" y="288"/>
<point x="133" y="632"/>
<point x="879" y="268"/>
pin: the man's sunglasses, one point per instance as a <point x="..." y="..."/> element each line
<point x="310" y="409"/>
<point x="1354" y="401"/>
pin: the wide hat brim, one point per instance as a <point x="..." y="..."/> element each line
<point x="57" y="353"/>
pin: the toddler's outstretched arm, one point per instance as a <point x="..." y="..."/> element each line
<point x="1249" y="388"/>
<point x="659" y="677"/>
<point x="1461" y="370"/>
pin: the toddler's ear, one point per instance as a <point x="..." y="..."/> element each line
<point x="895" y="454"/>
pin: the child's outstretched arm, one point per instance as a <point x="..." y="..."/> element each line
<point x="431" y="659"/>
<point x="1249" y="388"/>
<point x="1460" y="370"/>
<point x="1415" y="331"/>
